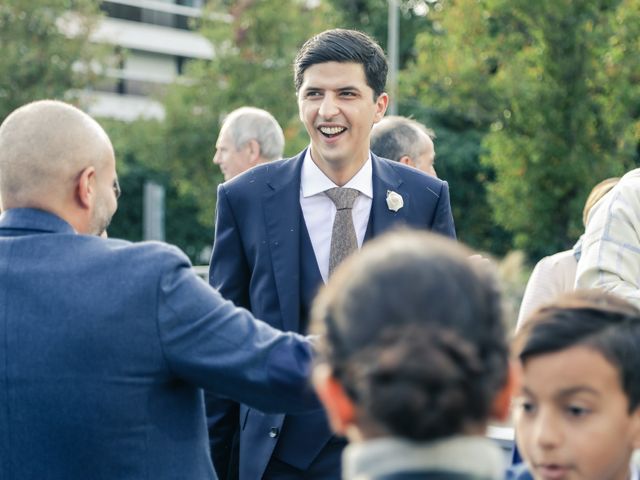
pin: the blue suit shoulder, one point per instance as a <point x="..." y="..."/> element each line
<point x="148" y="255"/>
<point x="429" y="196"/>
<point x="246" y="191"/>
<point x="259" y="174"/>
<point x="415" y="177"/>
<point x="149" y="247"/>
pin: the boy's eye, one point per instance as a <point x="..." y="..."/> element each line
<point x="348" y="94"/>
<point x="576" y="410"/>
<point x="312" y="94"/>
<point x="525" y="405"/>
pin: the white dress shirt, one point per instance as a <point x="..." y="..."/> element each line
<point x="319" y="211"/>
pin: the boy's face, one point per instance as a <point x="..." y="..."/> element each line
<point x="572" y="417"/>
<point x="338" y="109"/>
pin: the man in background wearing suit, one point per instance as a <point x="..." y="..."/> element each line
<point x="106" y="344"/>
<point x="275" y="244"/>
<point x="249" y="136"/>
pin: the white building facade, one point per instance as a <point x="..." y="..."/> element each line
<point x="152" y="40"/>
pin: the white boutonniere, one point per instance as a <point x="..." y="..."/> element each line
<point x="394" y="200"/>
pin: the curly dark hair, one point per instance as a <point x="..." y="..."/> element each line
<point x="413" y="331"/>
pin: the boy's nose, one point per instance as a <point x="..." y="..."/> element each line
<point x="547" y="430"/>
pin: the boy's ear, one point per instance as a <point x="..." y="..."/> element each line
<point x="502" y="402"/>
<point x="338" y="405"/>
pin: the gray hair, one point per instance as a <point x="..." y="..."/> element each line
<point x="249" y="123"/>
<point x="394" y="137"/>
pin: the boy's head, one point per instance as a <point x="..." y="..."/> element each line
<point x="413" y="344"/>
<point x="578" y="409"/>
<point x="344" y="46"/>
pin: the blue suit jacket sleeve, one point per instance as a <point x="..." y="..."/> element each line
<point x="210" y="342"/>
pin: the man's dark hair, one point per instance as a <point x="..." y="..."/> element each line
<point x="340" y="45"/>
<point x="413" y="332"/>
<point x="597" y="320"/>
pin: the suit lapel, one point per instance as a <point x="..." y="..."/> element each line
<point x="282" y="214"/>
<point x="385" y="179"/>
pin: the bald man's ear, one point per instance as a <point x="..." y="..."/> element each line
<point x="338" y="405"/>
<point x="85" y="187"/>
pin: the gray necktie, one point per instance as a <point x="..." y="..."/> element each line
<point x="343" y="235"/>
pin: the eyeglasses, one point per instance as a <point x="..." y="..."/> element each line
<point x="116" y="189"/>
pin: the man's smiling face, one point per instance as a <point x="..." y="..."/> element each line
<point x="338" y="109"/>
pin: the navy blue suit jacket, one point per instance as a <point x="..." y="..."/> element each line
<point x="104" y="346"/>
<point x="256" y="263"/>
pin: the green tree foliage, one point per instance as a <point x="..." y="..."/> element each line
<point x="555" y="86"/>
<point x="39" y="57"/>
<point x="458" y="149"/>
<point x="371" y="16"/>
<point x="458" y="139"/>
<point x="444" y="87"/>
<point x="141" y="156"/>
<point x="254" y="52"/>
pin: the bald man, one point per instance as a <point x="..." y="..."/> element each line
<point x="249" y="136"/>
<point x="406" y="141"/>
<point x="46" y="167"/>
<point x="106" y="344"/>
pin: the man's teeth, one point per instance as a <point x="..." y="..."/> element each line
<point x="331" y="130"/>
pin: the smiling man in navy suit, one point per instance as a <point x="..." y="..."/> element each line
<point x="273" y="235"/>
<point x="105" y="345"/>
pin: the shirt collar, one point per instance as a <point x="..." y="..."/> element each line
<point x="313" y="180"/>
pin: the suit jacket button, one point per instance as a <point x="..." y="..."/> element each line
<point x="274" y="432"/>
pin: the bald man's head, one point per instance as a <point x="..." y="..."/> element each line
<point x="45" y="146"/>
